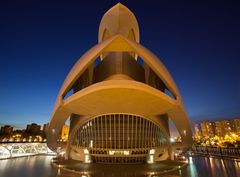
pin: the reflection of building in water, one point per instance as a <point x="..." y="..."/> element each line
<point x="119" y="98"/>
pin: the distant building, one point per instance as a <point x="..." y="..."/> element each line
<point x="219" y="129"/>
<point x="236" y="123"/>
<point x="33" y="129"/>
<point x="228" y="127"/>
<point x="224" y="127"/>
<point x="65" y="132"/>
<point x="208" y="128"/>
<point x="6" y="130"/>
<point x="197" y="130"/>
<point x="45" y="128"/>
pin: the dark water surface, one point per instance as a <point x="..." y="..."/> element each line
<point x="32" y="166"/>
<point x="211" y="167"/>
<point x="39" y="166"/>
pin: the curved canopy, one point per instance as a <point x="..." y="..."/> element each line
<point x="64" y="108"/>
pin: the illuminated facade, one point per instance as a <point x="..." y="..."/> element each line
<point x="219" y="128"/>
<point x="64" y="132"/>
<point x="224" y="127"/>
<point x="208" y="128"/>
<point x="236" y="123"/>
<point x="119" y="98"/>
<point x="119" y="135"/>
<point x="197" y="130"/>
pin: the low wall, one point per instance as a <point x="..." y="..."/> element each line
<point x="214" y="151"/>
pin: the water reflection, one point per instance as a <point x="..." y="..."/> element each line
<point x="192" y="168"/>
<point x="39" y="166"/>
<point x="211" y="167"/>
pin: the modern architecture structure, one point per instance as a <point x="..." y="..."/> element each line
<point x="119" y="98"/>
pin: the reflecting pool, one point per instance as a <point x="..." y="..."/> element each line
<point x="39" y="166"/>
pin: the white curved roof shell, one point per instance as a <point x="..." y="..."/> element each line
<point x="106" y="96"/>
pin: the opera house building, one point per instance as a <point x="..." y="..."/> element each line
<point x="119" y="99"/>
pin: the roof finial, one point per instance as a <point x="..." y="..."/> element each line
<point x="118" y="20"/>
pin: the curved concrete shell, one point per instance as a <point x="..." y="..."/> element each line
<point x="128" y="83"/>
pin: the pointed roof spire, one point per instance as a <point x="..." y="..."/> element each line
<point x="118" y="20"/>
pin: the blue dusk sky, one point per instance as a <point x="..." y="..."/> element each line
<point x="198" y="42"/>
